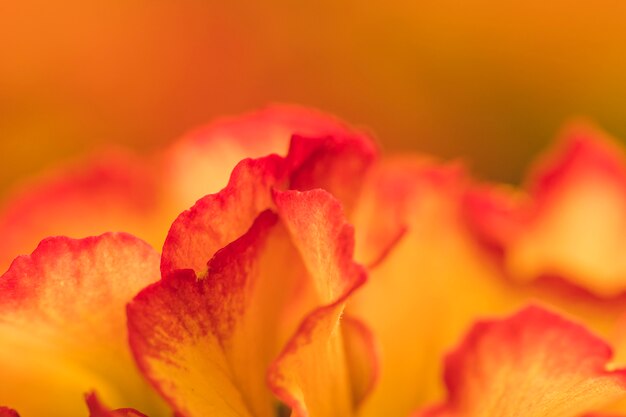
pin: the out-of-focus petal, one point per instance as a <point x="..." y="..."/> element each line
<point x="63" y="325"/>
<point x="534" y="363"/>
<point x="312" y="374"/>
<point x="97" y="409"/>
<point x="118" y="192"/>
<point x="573" y="222"/>
<point x="112" y="192"/>
<point x="200" y="163"/>
<point x="336" y="164"/>
<point x="7" y="412"/>
<point x="429" y="281"/>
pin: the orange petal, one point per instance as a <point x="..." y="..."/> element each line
<point x="218" y="219"/>
<point x="206" y="344"/>
<point x="312" y="374"/>
<point x="118" y="192"/>
<point x="200" y="163"/>
<point x="97" y="409"/>
<point x="413" y="300"/>
<point x="63" y="327"/>
<point x="533" y="363"/>
<point x="573" y="225"/>
<point x="363" y="356"/>
<point x="113" y="192"/>
<point x="337" y="163"/>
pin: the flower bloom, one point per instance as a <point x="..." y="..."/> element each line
<point x="322" y="280"/>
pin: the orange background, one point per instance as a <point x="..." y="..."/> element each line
<point x="488" y="80"/>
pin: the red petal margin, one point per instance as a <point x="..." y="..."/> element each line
<point x="111" y="192"/>
<point x="7" y="412"/>
<point x="199" y="341"/>
<point x="218" y="219"/>
<point x="534" y="363"/>
<point x="336" y="164"/>
<point x="97" y="409"/>
<point x="201" y="161"/>
<point x="312" y="374"/>
<point x="571" y="224"/>
<point x="63" y="324"/>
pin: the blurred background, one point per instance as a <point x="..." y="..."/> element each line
<point x="487" y="80"/>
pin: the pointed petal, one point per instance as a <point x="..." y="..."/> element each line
<point x="62" y="324"/>
<point x="534" y="362"/>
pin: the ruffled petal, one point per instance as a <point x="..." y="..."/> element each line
<point x="534" y="363"/>
<point x="118" y="192"/>
<point x="200" y="163"/>
<point x="573" y="222"/>
<point x="112" y="192"/>
<point x="206" y="343"/>
<point x="63" y="325"/>
<point x="312" y="374"/>
<point x="218" y="219"/>
<point x="336" y="163"/>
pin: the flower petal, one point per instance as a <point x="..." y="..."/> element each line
<point x="111" y="192"/>
<point x="200" y="163"/>
<point x="97" y="409"/>
<point x="63" y="328"/>
<point x="533" y="363"/>
<point x="363" y="356"/>
<point x="7" y="412"/>
<point x="411" y="300"/>
<point x="574" y="224"/>
<point x="206" y="343"/>
<point x="115" y="191"/>
<point x="217" y="219"/>
<point x="312" y="374"/>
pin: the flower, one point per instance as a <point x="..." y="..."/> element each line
<point x="323" y="282"/>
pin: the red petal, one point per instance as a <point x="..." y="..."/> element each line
<point x="200" y="163"/>
<point x="63" y="324"/>
<point x="573" y="225"/>
<point x="533" y="363"/>
<point x="7" y="412"/>
<point x="312" y="373"/>
<point x="215" y="220"/>
<point x="113" y="192"/>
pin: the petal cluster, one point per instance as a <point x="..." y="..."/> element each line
<point x="314" y="277"/>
